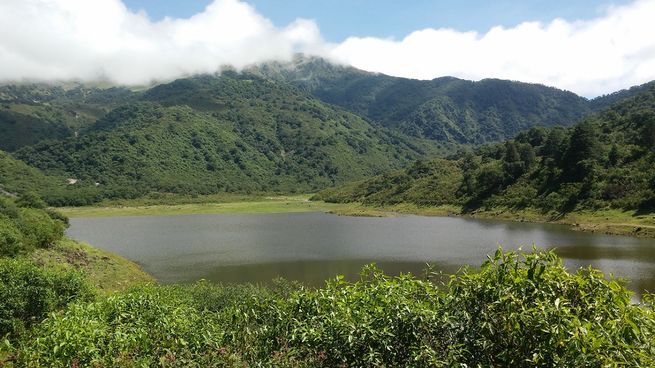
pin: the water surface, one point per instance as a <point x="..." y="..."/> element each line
<point x="311" y="247"/>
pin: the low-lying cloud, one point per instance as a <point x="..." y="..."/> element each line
<point x="85" y="40"/>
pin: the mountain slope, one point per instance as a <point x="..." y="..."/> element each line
<point x="17" y="177"/>
<point x="605" y="161"/>
<point x="230" y="133"/>
<point x="31" y="113"/>
<point x="444" y="109"/>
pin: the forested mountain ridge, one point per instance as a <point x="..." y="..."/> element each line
<point x="444" y="109"/>
<point x="31" y="113"/>
<point x="205" y="135"/>
<point x="606" y="161"/>
<point x="267" y="128"/>
<point x="447" y="110"/>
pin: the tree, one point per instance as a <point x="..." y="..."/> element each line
<point x="582" y="151"/>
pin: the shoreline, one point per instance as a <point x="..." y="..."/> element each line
<point x="609" y="222"/>
<point x="255" y="205"/>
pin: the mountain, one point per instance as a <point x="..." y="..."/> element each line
<point x="234" y="132"/>
<point x="605" y="101"/>
<point x="444" y="109"/>
<point x="31" y="113"/>
<point x="300" y="126"/>
<point x="605" y="161"/>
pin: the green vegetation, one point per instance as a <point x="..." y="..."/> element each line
<point x="29" y="293"/>
<point x="106" y="272"/>
<point x="42" y="272"/>
<point x="274" y="128"/>
<point x="204" y="205"/>
<point x="31" y="113"/>
<point x="518" y="310"/>
<point x="602" y="164"/>
<point x="206" y="135"/>
<point x="16" y="176"/>
<point x="444" y="109"/>
<point x="23" y="229"/>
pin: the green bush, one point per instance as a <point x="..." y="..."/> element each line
<point x="10" y="238"/>
<point x="30" y="200"/>
<point x="8" y="207"/>
<point x="28" y="293"/>
<point x="150" y="326"/>
<point x="518" y="310"/>
<point x="525" y="310"/>
<point x="39" y="229"/>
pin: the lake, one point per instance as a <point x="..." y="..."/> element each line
<point x="312" y="247"/>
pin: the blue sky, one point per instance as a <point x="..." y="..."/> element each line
<point x="339" y="19"/>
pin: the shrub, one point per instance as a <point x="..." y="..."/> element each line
<point x="10" y="238"/>
<point x="30" y="200"/>
<point x="525" y="310"/>
<point x="518" y="310"/>
<point x="8" y="207"/>
<point x="29" y="293"/>
<point x="39" y="229"/>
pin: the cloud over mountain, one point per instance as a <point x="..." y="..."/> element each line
<point x="613" y="51"/>
<point x="102" y="39"/>
<point x="87" y="40"/>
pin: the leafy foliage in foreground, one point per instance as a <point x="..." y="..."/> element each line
<point x="518" y="310"/>
<point x="28" y="293"/>
<point x="604" y="162"/>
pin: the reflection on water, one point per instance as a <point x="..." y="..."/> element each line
<point x="312" y="247"/>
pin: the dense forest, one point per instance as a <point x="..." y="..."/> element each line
<point x="444" y="109"/>
<point x="206" y="135"/>
<point x="606" y="161"/>
<point x="277" y="128"/>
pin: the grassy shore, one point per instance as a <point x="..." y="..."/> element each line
<point x="204" y="205"/>
<point x="611" y="222"/>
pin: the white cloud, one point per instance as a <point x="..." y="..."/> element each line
<point x="88" y="40"/>
<point x="602" y="55"/>
<point x="102" y="39"/>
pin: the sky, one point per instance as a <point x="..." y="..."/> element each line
<point x="590" y="47"/>
<point x="340" y="19"/>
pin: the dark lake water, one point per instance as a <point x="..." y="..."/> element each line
<point x="312" y="247"/>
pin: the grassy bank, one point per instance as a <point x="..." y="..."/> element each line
<point x="611" y="222"/>
<point x="107" y="272"/>
<point x="204" y="205"/>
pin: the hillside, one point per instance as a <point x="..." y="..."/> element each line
<point x="31" y="113"/>
<point x="603" y="162"/>
<point x="18" y="177"/>
<point x="231" y="133"/>
<point x="444" y="109"/>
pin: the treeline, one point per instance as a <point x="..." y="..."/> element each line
<point x="603" y="162"/>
